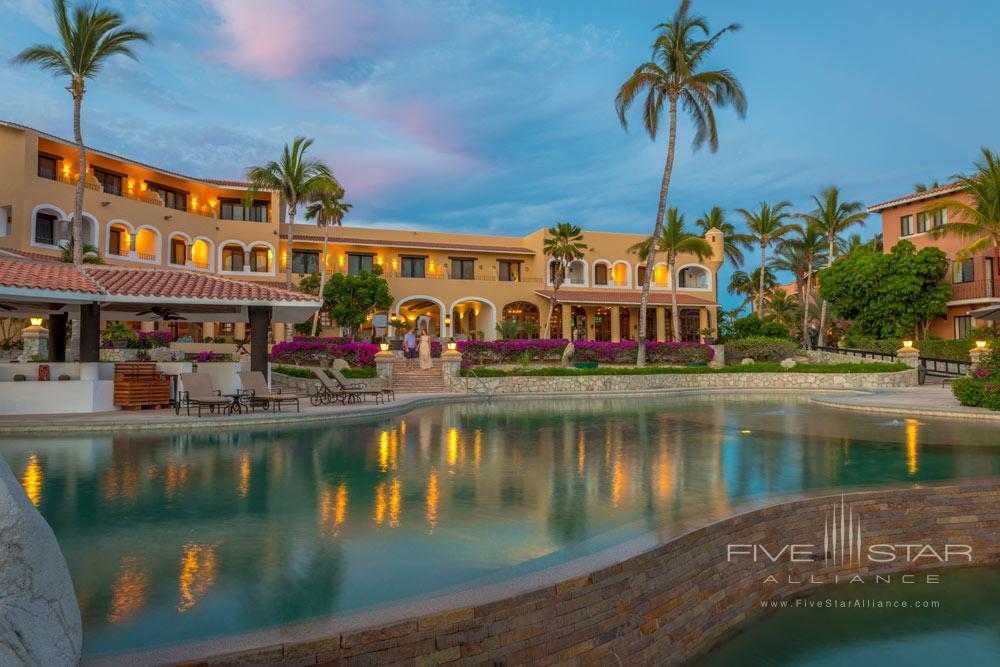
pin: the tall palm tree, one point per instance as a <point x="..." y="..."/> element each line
<point x="979" y="220"/>
<point x="88" y="36"/>
<point x="673" y="76"/>
<point x="674" y="241"/>
<point x="803" y="255"/>
<point x="748" y="285"/>
<point x="833" y="217"/>
<point x="296" y="178"/>
<point x="767" y="226"/>
<point x="715" y="218"/>
<point x="564" y="244"/>
<point x="782" y="307"/>
<point x="327" y="210"/>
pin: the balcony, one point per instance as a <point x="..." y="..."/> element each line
<point x="976" y="289"/>
<point x="443" y="275"/>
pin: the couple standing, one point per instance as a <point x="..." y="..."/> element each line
<point x="411" y="349"/>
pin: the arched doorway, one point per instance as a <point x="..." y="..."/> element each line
<point x="555" y="322"/>
<point x="423" y="311"/>
<point x="526" y="314"/>
<point x="578" y="323"/>
<point x="602" y="324"/>
<point x="473" y="318"/>
<point x="690" y="324"/>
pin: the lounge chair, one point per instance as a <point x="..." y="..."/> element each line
<point x="347" y="385"/>
<point x="198" y="391"/>
<point x="330" y="391"/>
<point x="256" y="392"/>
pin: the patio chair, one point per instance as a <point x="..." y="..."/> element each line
<point x="347" y="385"/>
<point x="346" y="393"/>
<point x="198" y="391"/>
<point x="256" y="392"/>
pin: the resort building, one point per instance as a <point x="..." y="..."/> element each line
<point x="457" y="285"/>
<point x="973" y="281"/>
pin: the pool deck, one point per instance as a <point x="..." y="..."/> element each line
<point x="925" y="401"/>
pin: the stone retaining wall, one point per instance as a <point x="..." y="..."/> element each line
<point x="626" y="383"/>
<point x="823" y="357"/>
<point x="671" y="603"/>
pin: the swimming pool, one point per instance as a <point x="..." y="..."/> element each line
<point x="172" y="537"/>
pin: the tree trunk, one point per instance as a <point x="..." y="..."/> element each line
<point x="640" y="359"/>
<point x="675" y="316"/>
<point x="81" y="182"/>
<point x="821" y="340"/>
<point x="760" y="287"/>
<point x="288" y="245"/>
<point x="322" y="277"/>
<point x="806" y="339"/>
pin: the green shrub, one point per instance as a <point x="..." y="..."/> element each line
<point x="954" y="350"/>
<point x="982" y="388"/>
<point x="297" y="372"/>
<point x="752" y="326"/>
<point x="760" y="348"/>
<point x="559" y="371"/>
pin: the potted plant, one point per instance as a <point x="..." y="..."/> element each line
<point x="398" y="327"/>
<point x="708" y="335"/>
<point x="119" y="335"/>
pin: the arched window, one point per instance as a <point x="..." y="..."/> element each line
<point x="601" y="274"/>
<point x="527" y="316"/>
<point x="232" y="258"/>
<point x="47" y="227"/>
<point x="693" y="277"/>
<point x="178" y="251"/>
<point x="260" y="259"/>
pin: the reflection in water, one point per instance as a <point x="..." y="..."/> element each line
<point x="912" y="431"/>
<point x="128" y="592"/>
<point x="32" y="480"/>
<point x="175" y="538"/>
<point x="197" y="574"/>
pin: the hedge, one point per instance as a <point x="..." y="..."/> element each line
<point x="982" y="388"/>
<point x="559" y="371"/>
<point x="760" y="348"/>
<point x="296" y="372"/>
<point x="954" y="350"/>
<point x="478" y="353"/>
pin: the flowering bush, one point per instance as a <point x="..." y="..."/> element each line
<point x="150" y="339"/>
<point x="477" y="353"/>
<point x="315" y="352"/>
<point x="982" y="387"/>
<point x="760" y="348"/>
<point x="321" y="339"/>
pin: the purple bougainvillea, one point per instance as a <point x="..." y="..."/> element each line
<point x="478" y="353"/>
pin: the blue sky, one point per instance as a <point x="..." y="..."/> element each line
<point x="497" y="116"/>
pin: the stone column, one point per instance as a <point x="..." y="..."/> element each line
<point x="976" y="355"/>
<point x="616" y="324"/>
<point x="36" y="342"/>
<point x="384" y="363"/>
<point x="131" y="245"/>
<point x="713" y="320"/>
<point x="591" y="327"/>
<point x="246" y="261"/>
<point x="451" y="364"/>
<point x="240" y="331"/>
<point x="57" y="337"/>
<point x="702" y="321"/>
<point x="567" y="324"/>
<point x="661" y="324"/>
<point x="279" y="330"/>
<point x="188" y="259"/>
<point x="208" y="329"/>
<point x="909" y="356"/>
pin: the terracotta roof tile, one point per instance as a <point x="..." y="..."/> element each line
<point x="623" y="297"/>
<point x="916" y="196"/>
<point x="47" y="275"/>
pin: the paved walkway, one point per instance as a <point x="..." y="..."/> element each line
<point x="925" y="401"/>
<point x="158" y="419"/>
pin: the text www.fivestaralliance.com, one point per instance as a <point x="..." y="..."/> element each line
<point x="857" y="603"/>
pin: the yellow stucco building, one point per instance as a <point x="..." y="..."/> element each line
<point x="462" y="284"/>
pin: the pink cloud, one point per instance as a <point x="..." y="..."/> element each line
<point x="281" y="39"/>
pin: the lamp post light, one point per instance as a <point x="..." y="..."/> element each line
<point x="977" y="353"/>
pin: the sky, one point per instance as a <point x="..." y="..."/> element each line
<point x="497" y="116"/>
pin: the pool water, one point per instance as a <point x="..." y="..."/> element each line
<point x="961" y="629"/>
<point x="175" y="537"/>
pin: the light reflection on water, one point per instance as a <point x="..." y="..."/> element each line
<point x="185" y="536"/>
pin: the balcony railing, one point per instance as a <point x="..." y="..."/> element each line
<point x="69" y="180"/>
<point x="444" y="276"/>
<point x="977" y="289"/>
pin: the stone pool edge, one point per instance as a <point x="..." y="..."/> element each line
<point x="624" y="601"/>
<point x="57" y="424"/>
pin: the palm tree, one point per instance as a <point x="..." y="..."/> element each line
<point x="327" y="210"/>
<point x="90" y="253"/>
<point x="981" y="218"/>
<point x="296" y="178"/>
<point x="767" y="226"/>
<point x="748" y="285"/>
<point x="782" y="306"/>
<point x="87" y="40"/>
<point x="803" y="255"/>
<point x="673" y="76"/>
<point x="715" y="218"/>
<point x="833" y="217"/>
<point x="674" y="241"/>
<point x="564" y="244"/>
<point x="920" y="187"/>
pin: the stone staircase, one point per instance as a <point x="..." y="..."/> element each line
<point x="414" y="380"/>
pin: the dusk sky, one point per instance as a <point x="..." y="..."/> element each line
<point x="498" y="117"/>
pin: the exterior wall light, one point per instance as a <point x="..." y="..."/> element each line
<point x="36" y="321"/>
<point x="384" y="346"/>
<point x="452" y="345"/>
<point x="907" y="343"/>
<point x="981" y="344"/>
